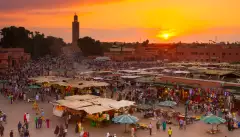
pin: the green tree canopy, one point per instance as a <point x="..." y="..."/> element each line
<point x="90" y="46"/>
<point x="34" y="43"/>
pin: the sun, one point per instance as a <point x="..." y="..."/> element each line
<point x="165" y="35"/>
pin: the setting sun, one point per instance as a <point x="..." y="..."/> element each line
<point x="165" y="34"/>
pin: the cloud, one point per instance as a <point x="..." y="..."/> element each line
<point x="5" y="19"/>
<point x="58" y="12"/>
<point x="16" y="5"/>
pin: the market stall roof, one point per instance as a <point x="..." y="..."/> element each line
<point x="73" y="104"/>
<point x="121" y="104"/>
<point x="130" y="77"/>
<point x="130" y="71"/>
<point x="42" y="79"/>
<point x="81" y="97"/>
<point x="181" y="72"/>
<point x="145" y="79"/>
<point x="217" y="72"/>
<point x="95" y="109"/>
<point x="147" y="73"/>
<point x="81" y="84"/>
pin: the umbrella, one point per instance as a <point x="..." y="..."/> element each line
<point x="144" y="106"/>
<point x="167" y="103"/>
<point x="212" y="119"/>
<point x="3" y="81"/>
<point x="34" y="86"/>
<point x="125" y="119"/>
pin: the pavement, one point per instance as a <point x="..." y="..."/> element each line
<point x="16" y="111"/>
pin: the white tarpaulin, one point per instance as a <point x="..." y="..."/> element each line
<point x="73" y="104"/>
<point x="81" y="97"/>
<point x="130" y="77"/>
<point x="95" y="109"/>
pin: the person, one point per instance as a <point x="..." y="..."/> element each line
<point x="170" y="132"/>
<point x="1" y="130"/>
<point x="26" y="133"/>
<point x="36" y="121"/>
<point x="164" y="125"/>
<point x="25" y="117"/>
<point x="19" y="126"/>
<point x="158" y="125"/>
<point x="39" y="122"/>
<point x="181" y="124"/>
<point x="56" y="131"/>
<point x="48" y="122"/>
<point x="132" y="132"/>
<point x="11" y="133"/>
<point x="150" y="128"/>
<point x="184" y="125"/>
<point x="108" y="134"/>
<point x="65" y="132"/>
<point x="28" y="117"/>
<point x="76" y="128"/>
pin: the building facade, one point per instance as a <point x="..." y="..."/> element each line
<point x="12" y="57"/>
<point x="208" y="53"/>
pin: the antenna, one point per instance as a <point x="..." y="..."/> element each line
<point x="216" y="38"/>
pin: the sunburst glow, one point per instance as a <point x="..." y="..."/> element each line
<point x="166" y="35"/>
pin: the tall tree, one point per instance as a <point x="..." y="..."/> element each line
<point x="90" y="47"/>
<point x="32" y="42"/>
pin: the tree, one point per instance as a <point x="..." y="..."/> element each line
<point x="34" y="43"/>
<point x="90" y="47"/>
<point x="145" y="43"/>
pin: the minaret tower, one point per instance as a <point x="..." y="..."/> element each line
<point x="75" y="30"/>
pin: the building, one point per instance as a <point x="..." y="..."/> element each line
<point x="75" y="30"/>
<point x="12" y="57"/>
<point x="73" y="48"/>
<point x="120" y="53"/>
<point x="208" y="53"/>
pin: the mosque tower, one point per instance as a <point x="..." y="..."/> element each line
<point x="75" y="30"/>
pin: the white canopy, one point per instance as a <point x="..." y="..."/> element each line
<point x="102" y="59"/>
<point x="130" y="77"/>
<point x="95" y="109"/>
<point x="167" y="70"/>
<point x="130" y="71"/>
<point x="181" y="72"/>
<point x="121" y="104"/>
<point x="74" y="104"/>
<point x="81" y="97"/>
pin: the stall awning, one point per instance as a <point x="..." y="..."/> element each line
<point x="73" y="104"/>
<point x="95" y="109"/>
<point x="81" y="97"/>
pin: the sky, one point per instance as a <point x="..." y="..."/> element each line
<point x="128" y="20"/>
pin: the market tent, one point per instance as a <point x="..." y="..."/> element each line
<point x="126" y="102"/>
<point x="95" y="109"/>
<point x="102" y="101"/>
<point x="168" y="103"/>
<point x="73" y="104"/>
<point x="130" y="71"/>
<point x="145" y="80"/>
<point x="120" y="104"/>
<point x="42" y="79"/>
<point x="81" y="84"/>
<point x="130" y="77"/>
<point x="34" y="87"/>
<point x="181" y="72"/>
<point x="102" y="59"/>
<point x="81" y="97"/>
